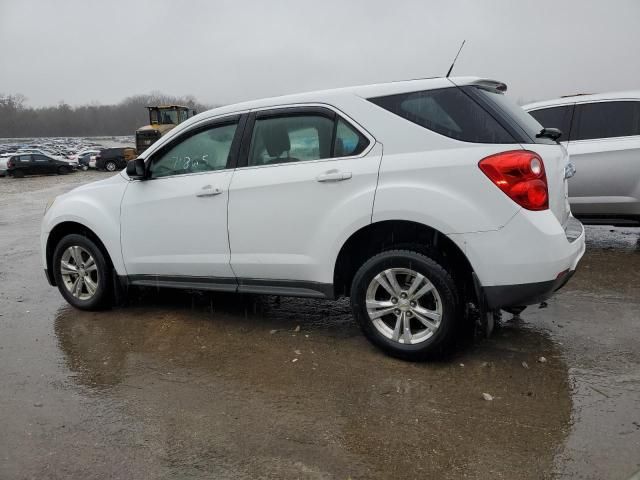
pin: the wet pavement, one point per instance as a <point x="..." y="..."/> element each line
<point x="192" y="385"/>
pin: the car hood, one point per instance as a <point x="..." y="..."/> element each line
<point x="117" y="179"/>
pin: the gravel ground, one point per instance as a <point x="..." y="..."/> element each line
<point x="190" y="385"/>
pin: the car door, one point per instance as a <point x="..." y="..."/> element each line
<point x="26" y="164"/>
<point x="605" y="148"/>
<point x="174" y="223"/>
<point x="306" y="175"/>
<point x="42" y="164"/>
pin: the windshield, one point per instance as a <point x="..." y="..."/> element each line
<point x="169" y="116"/>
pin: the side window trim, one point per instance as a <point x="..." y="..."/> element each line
<point x="239" y="119"/>
<point x="274" y="112"/>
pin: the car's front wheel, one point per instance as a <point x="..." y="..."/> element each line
<point x="63" y="170"/>
<point x="406" y="304"/>
<point x="82" y="272"/>
<point x="110" y="166"/>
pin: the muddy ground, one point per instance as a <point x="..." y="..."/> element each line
<point x="191" y="385"/>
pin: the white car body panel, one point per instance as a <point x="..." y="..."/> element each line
<point x="283" y="222"/>
<point x="167" y="229"/>
<point x="96" y="206"/>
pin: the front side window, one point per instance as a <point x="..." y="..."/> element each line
<point x="447" y="111"/>
<point x="41" y="159"/>
<point x="555" y="117"/>
<point x="204" y="151"/>
<point x="293" y="138"/>
<point x="607" y="120"/>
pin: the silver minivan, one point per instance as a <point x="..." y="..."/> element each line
<point x="602" y="134"/>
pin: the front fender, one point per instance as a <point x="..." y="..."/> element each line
<point x="95" y="206"/>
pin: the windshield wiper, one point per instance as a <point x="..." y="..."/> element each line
<point x="552" y="133"/>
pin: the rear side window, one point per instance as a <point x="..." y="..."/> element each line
<point x="606" y="120"/>
<point x="555" y="117"/>
<point x="298" y="137"/>
<point x="449" y="112"/>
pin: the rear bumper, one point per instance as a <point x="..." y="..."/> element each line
<point x="526" y="261"/>
<point x="504" y="296"/>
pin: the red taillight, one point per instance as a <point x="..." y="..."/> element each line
<point x="520" y="174"/>
<point x="9" y="164"/>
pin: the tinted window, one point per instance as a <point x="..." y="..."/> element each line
<point x="348" y="140"/>
<point x="25" y="158"/>
<point x="606" y="120"/>
<point x="290" y="139"/>
<point x="449" y="112"/>
<point x="205" y="151"/>
<point x="41" y="159"/>
<point x="512" y="113"/>
<point x="555" y="117"/>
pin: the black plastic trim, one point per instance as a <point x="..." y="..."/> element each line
<point x="184" y="282"/>
<point x="520" y="295"/>
<point x="288" y="288"/>
<point x="50" y="277"/>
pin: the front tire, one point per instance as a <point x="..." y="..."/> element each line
<point x="63" y="170"/>
<point x="110" y="166"/>
<point x="406" y="304"/>
<point x="82" y="273"/>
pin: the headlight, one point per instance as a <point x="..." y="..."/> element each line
<point x="49" y="203"/>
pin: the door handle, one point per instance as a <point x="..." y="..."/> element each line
<point x="333" y="176"/>
<point x="209" y="191"/>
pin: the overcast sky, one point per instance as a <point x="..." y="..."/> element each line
<point x="227" y="51"/>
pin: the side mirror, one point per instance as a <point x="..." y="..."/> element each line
<point x="135" y="169"/>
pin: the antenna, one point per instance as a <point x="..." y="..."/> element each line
<point x="454" y="60"/>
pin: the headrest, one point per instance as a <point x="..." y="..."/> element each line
<point x="276" y="138"/>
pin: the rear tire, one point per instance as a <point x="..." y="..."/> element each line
<point x="406" y="304"/>
<point x="82" y="273"/>
<point x="110" y="166"/>
<point x="18" y="174"/>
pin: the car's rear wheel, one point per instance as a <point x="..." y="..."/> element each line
<point x="63" y="170"/>
<point x="110" y="166"/>
<point x="18" y="174"/>
<point x="406" y="304"/>
<point x="82" y="272"/>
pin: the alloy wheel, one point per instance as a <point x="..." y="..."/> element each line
<point x="79" y="272"/>
<point x="404" y="305"/>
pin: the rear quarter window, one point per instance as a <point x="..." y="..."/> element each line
<point x="449" y="112"/>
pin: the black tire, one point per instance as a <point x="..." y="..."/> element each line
<point x="443" y="338"/>
<point x="62" y="170"/>
<point x="18" y="174"/>
<point x="103" y="295"/>
<point x="110" y="166"/>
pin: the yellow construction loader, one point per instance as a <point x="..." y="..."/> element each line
<point x="162" y="118"/>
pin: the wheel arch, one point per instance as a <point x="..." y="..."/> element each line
<point x="393" y="234"/>
<point x="66" y="228"/>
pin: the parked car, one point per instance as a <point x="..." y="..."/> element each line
<point x="3" y="165"/>
<point x="23" y="164"/>
<point x="112" y="159"/>
<point x="276" y="196"/>
<point x="84" y="158"/>
<point x="602" y="134"/>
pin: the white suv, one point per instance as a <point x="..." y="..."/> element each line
<point x="602" y="134"/>
<point x="414" y="198"/>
